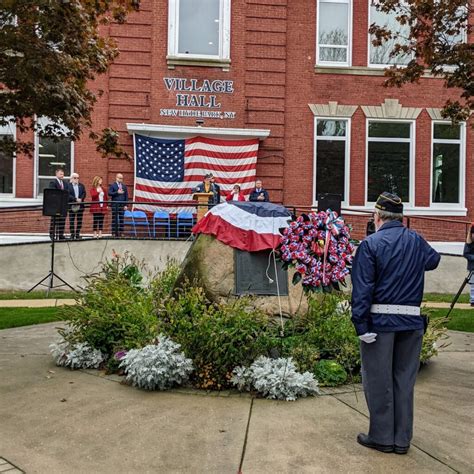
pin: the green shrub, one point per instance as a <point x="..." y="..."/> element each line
<point x="117" y="309"/>
<point x="433" y="338"/>
<point x="327" y="326"/>
<point x="329" y="373"/>
<point x="217" y="337"/>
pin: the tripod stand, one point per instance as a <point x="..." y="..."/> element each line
<point x="50" y="276"/>
<point x="464" y="283"/>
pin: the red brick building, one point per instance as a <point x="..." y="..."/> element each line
<point x="300" y="75"/>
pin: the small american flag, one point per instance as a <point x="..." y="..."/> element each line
<point x="169" y="170"/>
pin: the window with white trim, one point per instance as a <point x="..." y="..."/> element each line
<point x="447" y="163"/>
<point x="199" y="29"/>
<point x="380" y="56"/>
<point x="389" y="159"/>
<point x="7" y="161"/>
<point x="331" y="157"/>
<point x="334" y="32"/>
<point x="52" y="155"/>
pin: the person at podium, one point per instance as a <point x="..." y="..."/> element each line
<point x="207" y="186"/>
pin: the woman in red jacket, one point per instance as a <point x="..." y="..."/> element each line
<point x="99" y="200"/>
<point x="235" y="194"/>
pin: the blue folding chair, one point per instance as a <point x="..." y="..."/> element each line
<point x="162" y="219"/>
<point x="140" y="219"/>
<point x="184" y="219"/>
<point x="128" y="220"/>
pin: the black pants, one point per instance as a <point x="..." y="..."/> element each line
<point x="75" y="222"/>
<point x="117" y="219"/>
<point x="57" y="229"/>
<point x="98" y="221"/>
<point x="389" y="369"/>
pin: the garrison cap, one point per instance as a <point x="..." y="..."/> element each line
<point x="389" y="202"/>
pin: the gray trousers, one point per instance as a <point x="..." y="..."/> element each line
<point x="389" y="369"/>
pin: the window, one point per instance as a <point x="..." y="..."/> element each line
<point x="334" y="32"/>
<point x="199" y="32"/>
<point x="51" y="156"/>
<point x="389" y="159"/>
<point x="331" y="155"/>
<point x="447" y="163"/>
<point x="379" y="56"/>
<point x="7" y="163"/>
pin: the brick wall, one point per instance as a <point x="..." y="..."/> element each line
<point x="272" y="66"/>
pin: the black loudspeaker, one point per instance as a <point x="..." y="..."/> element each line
<point x="329" y="201"/>
<point x="55" y="202"/>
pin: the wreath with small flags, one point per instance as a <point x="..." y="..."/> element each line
<point x="318" y="246"/>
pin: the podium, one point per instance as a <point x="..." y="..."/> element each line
<point x="203" y="201"/>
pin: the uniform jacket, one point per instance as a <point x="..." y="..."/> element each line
<point x="212" y="200"/>
<point x="95" y="206"/>
<point x="469" y="255"/>
<point x="72" y="196"/>
<point x="254" y="195"/>
<point x="389" y="268"/>
<point x="114" y="194"/>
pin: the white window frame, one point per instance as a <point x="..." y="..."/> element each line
<point x="10" y="129"/>
<point x="224" y="33"/>
<point x="37" y="177"/>
<point x="369" y="45"/>
<point x="347" y="139"/>
<point x="347" y="63"/>
<point x="462" y="166"/>
<point x="412" y="168"/>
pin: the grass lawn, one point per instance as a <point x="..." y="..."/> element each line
<point x="35" y="295"/>
<point x="16" y="317"/>
<point x="445" y="297"/>
<point x="460" y="319"/>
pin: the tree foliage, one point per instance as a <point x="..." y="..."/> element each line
<point x="433" y="33"/>
<point x="50" y="53"/>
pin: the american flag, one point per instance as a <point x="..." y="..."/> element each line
<point x="167" y="171"/>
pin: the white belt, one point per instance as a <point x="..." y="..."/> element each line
<point x="395" y="309"/>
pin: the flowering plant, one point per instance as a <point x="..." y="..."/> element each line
<point x="318" y="246"/>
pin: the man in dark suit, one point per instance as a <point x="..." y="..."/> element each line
<point x="118" y="194"/>
<point x="58" y="229"/>
<point x="259" y="194"/>
<point x="218" y="189"/>
<point x="77" y="195"/>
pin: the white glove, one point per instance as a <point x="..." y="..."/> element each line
<point x="368" y="337"/>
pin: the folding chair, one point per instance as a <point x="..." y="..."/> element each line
<point x="184" y="219"/>
<point x="128" y="220"/>
<point x="140" y="219"/>
<point x="162" y="219"/>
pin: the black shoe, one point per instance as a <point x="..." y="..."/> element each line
<point x="62" y="237"/>
<point x="364" y="440"/>
<point x="78" y="237"/>
<point x="401" y="449"/>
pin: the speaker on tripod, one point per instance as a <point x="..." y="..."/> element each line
<point x="55" y="202"/>
<point x="329" y="201"/>
<point x="55" y="205"/>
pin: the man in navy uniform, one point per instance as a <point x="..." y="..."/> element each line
<point x="259" y="194"/>
<point x="388" y="280"/>
<point x="118" y="194"/>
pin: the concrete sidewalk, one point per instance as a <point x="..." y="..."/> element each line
<point x="60" y="421"/>
<point x="41" y="303"/>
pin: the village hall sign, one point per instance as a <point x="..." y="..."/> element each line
<point x="198" y="93"/>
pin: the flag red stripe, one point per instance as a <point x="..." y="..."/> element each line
<point x="218" y="142"/>
<point x="213" y="167"/>
<point x="223" y="155"/>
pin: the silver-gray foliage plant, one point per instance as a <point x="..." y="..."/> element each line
<point x="79" y="356"/>
<point x="158" y="366"/>
<point x="275" y="378"/>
